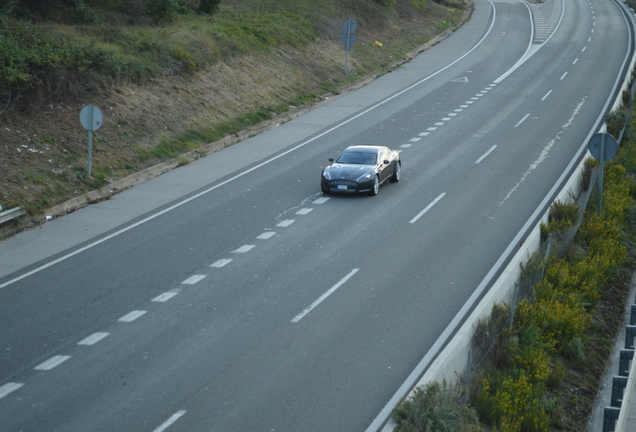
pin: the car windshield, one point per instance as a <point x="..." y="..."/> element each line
<point x="356" y="157"/>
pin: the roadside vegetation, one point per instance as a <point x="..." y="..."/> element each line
<point x="544" y="368"/>
<point x="173" y="76"/>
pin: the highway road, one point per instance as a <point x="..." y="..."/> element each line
<point x="232" y="295"/>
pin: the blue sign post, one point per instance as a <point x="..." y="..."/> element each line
<point x="348" y="38"/>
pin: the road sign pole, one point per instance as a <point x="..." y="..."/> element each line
<point x="90" y="144"/>
<point x="90" y="148"/>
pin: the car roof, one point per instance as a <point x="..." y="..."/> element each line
<point x="365" y="148"/>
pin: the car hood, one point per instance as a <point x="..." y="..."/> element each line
<point x="348" y="172"/>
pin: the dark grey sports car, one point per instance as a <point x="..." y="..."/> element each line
<point x="361" y="168"/>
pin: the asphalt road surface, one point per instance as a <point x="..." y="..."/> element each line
<point x="232" y="295"/>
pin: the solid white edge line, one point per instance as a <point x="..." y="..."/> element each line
<point x="486" y="154"/>
<point x="428" y="207"/>
<point x="165" y="425"/>
<point x="324" y="296"/>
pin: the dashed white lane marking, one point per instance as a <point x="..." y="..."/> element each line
<point x="522" y="120"/>
<point x="93" y="339"/>
<point x="575" y="60"/>
<point x="321" y="200"/>
<point x="416" y="139"/>
<point x="424" y="133"/>
<point x="463" y="107"/>
<point x="431" y="129"/>
<point x="445" y="119"/>
<point x="173" y="418"/>
<point x="285" y="223"/>
<point x="453" y="114"/>
<point x="165" y="296"/>
<point x="304" y="211"/>
<point x="546" y="95"/>
<point x="563" y="76"/>
<point x="8" y="388"/>
<point x="405" y="145"/>
<point x="325" y="295"/>
<point x="222" y="262"/>
<point x="52" y="362"/>
<point x="486" y="154"/>
<point x="193" y="279"/>
<point x="244" y="248"/>
<point x="131" y="316"/>
<point x="428" y="207"/>
<point x="266" y="235"/>
<point x="584" y="48"/>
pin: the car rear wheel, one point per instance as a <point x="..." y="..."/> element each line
<point x="398" y="172"/>
<point x="376" y="186"/>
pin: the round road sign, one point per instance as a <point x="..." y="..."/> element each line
<point x="91" y="117"/>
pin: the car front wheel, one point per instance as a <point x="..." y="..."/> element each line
<point x="376" y="186"/>
<point x="398" y="172"/>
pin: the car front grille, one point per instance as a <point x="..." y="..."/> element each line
<point x="334" y="183"/>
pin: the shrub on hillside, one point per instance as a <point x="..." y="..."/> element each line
<point x="435" y="407"/>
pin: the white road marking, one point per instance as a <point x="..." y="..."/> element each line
<point x="584" y="48"/>
<point x="486" y="154"/>
<point x="222" y="262"/>
<point x="93" y="339"/>
<point x="416" y="139"/>
<point x="447" y="118"/>
<point x="405" y="145"/>
<point x="463" y="107"/>
<point x="165" y="296"/>
<point x="8" y="388"/>
<point x="193" y="279"/>
<point x="52" y="362"/>
<point x="563" y="76"/>
<point x="453" y="114"/>
<point x="304" y="211"/>
<point x="285" y="223"/>
<point x="522" y="120"/>
<point x="469" y="102"/>
<point x="266" y="235"/>
<point x="546" y="95"/>
<point x="325" y="295"/>
<point x="131" y="316"/>
<point x="321" y="200"/>
<point x="424" y="133"/>
<point x="245" y="248"/>
<point x="575" y="60"/>
<point x="428" y="207"/>
<point x="165" y="425"/>
<point x="439" y="124"/>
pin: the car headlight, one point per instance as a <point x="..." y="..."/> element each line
<point x="327" y="174"/>
<point x="365" y="177"/>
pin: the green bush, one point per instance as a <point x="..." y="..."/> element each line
<point x="435" y="407"/>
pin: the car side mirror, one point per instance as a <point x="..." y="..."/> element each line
<point x="386" y="161"/>
<point x="331" y="159"/>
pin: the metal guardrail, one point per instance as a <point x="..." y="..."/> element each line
<point x="615" y="415"/>
<point x="11" y="214"/>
